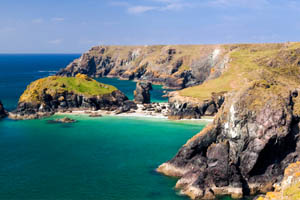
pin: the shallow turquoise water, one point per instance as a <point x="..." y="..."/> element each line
<point x="105" y="158"/>
<point x="127" y="87"/>
<point x="109" y="158"/>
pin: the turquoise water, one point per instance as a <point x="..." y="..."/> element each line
<point x="129" y="86"/>
<point x="105" y="158"/>
<point x="108" y="158"/>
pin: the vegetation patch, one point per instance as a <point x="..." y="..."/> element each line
<point x="81" y="84"/>
<point x="276" y="65"/>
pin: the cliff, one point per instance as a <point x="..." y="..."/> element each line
<point x="175" y="66"/>
<point x="48" y="95"/>
<point x="255" y="133"/>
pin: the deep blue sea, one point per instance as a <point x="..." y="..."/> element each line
<point x="108" y="158"/>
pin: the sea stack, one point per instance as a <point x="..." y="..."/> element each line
<point x="53" y="94"/>
<point x="3" y="112"/>
<point x="142" y="92"/>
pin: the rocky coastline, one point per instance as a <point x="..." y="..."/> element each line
<point x="244" y="151"/>
<point x="251" y="90"/>
<point x="174" y="66"/>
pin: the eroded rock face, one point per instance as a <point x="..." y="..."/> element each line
<point x="3" y="112"/>
<point x="175" y="66"/>
<point x="189" y="108"/>
<point x="253" y="138"/>
<point x="289" y="188"/>
<point x="68" y="101"/>
<point x="142" y="92"/>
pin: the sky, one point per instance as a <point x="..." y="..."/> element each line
<point x="74" y="26"/>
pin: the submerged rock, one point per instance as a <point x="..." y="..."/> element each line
<point x="142" y="92"/>
<point x="95" y="115"/>
<point x="253" y="138"/>
<point x="3" y="112"/>
<point x="46" y="96"/>
<point x="65" y="120"/>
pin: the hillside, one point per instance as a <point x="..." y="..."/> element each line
<point x="175" y="66"/>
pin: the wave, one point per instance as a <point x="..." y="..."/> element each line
<point x="43" y="71"/>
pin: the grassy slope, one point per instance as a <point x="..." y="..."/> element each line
<point x="80" y="84"/>
<point x="252" y="63"/>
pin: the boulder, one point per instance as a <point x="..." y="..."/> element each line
<point x="142" y="92"/>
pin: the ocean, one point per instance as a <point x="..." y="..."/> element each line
<point x="107" y="158"/>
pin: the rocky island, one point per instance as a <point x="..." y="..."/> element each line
<point x="49" y="95"/>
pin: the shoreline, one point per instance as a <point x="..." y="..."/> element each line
<point x="138" y="114"/>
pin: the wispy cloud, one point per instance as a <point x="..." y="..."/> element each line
<point x="56" y="41"/>
<point x="37" y="21"/>
<point x="239" y="3"/>
<point x="58" y="19"/>
<point x="159" y="5"/>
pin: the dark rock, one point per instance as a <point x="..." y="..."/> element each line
<point x="187" y="108"/>
<point x="142" y="92"/>
<point x="3" y="112"/>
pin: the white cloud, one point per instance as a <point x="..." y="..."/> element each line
<point x="140" y="9"/>
<point x="56" y="41"/>
<point x="37" y="21"/>
<point x="160" y="5"/>
<point x="58" y="19"/>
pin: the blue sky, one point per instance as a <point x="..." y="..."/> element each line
<point x="73" y="26"/>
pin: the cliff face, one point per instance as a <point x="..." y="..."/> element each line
<point x="182" y="107"/>
<point x="3" y="112"/>
<point x="175" y="66"/>
<point x="245" y="150"/>
<point x="46" y="96"/>
<point x="255" y="134"/>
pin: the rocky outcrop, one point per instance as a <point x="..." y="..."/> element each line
<point x="191" y="108"/>
<point x="175" y="66"/>
<point x="289" y="188"/>
<point x="3" y="112"/>
<point x="253" y="138"/>
<point x="142" y="92"/>
<point x="46" y="96"/>
<point x="68" y="101"/>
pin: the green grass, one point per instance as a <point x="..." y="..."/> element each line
<point x="249" y="63"/>
<point x="81" y="84"/>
